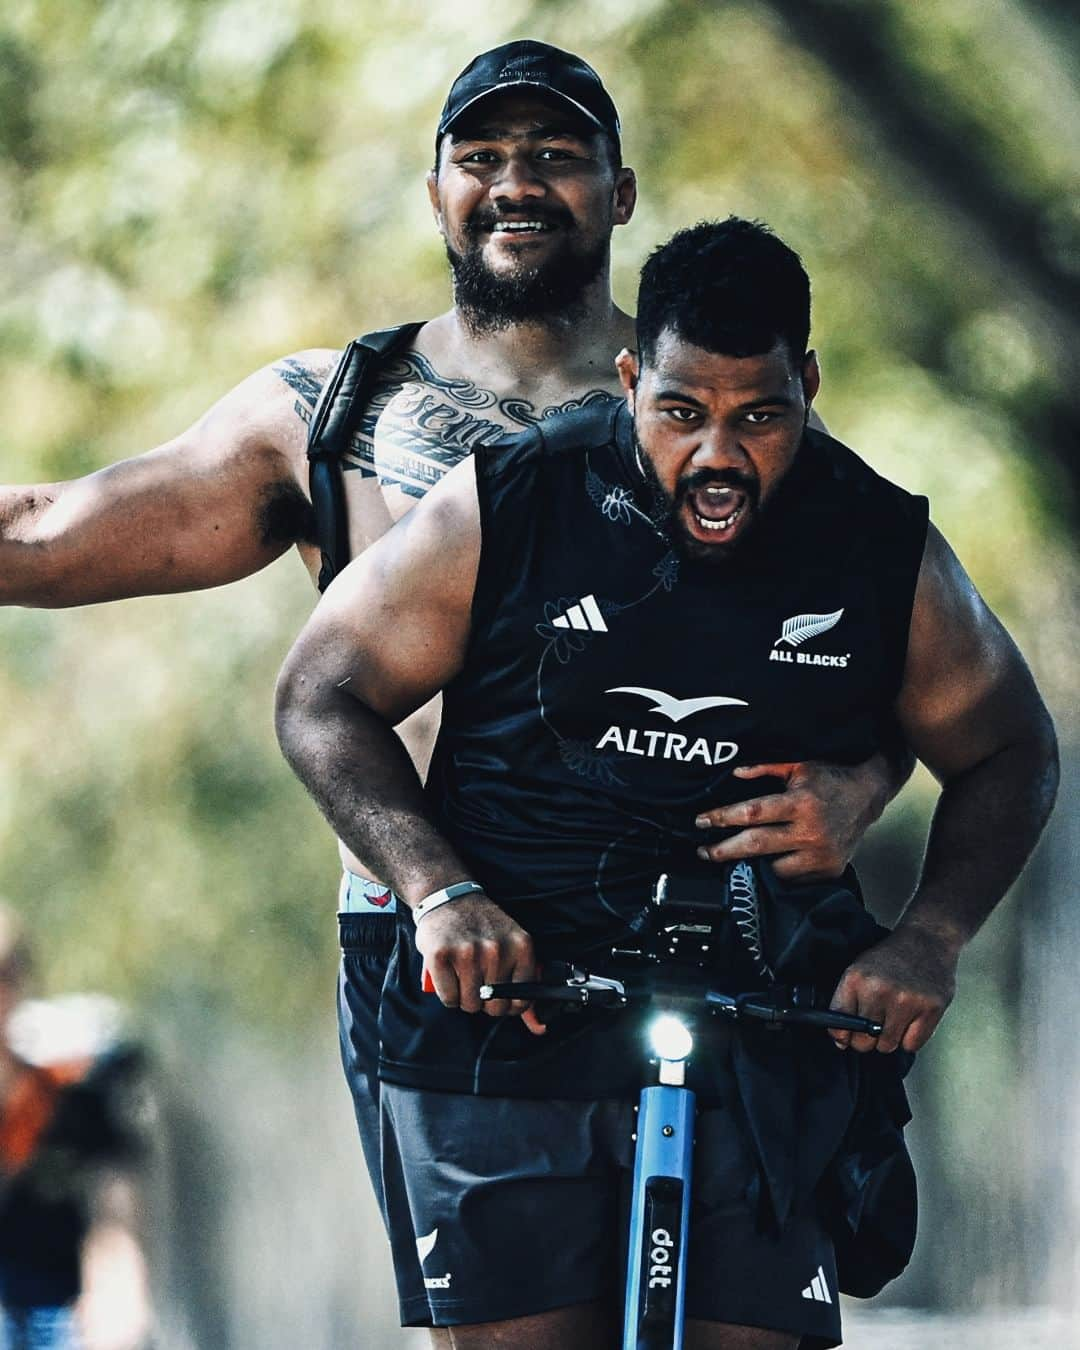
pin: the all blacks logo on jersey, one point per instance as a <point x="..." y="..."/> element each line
<point x="802" y="628"/>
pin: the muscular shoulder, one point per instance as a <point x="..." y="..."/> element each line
<point x="269" y="412"/>
<point x="301" y="377"/>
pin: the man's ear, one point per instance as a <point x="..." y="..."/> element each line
<point x="626" y="363"/>
<point x="625" y="195"/>
<point x="433" y="198"/>
<point x="811" y="378"/>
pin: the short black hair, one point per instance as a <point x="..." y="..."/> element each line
<point x="729" y="286"/>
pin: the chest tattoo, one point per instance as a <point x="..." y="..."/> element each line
<point x="418" y="424"/>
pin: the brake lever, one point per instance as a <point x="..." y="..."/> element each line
<point x="579" y="987"/>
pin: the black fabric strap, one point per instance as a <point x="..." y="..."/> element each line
<point x="335" y="419"/>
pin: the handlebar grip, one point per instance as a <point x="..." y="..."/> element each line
<point x="838" y="1021"/>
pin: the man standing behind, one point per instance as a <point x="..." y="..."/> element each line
<point x="622" y="606"/>
<point x="527" y="187"/>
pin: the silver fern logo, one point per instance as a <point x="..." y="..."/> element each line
<point x="801" y="628"/>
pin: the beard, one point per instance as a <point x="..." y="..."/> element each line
<point x="491" y="301"/>
<point x="665" y="509"/>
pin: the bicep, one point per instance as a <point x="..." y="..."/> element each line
<point x="393" y="627"/>
<point x="214" y="504"/>
<point x="967" y="692"/>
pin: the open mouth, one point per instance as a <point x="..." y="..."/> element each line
<point x="717" y="512"/>
<point x="515" y="233"/>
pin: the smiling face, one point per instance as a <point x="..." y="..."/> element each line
<point x="525" y="195"/>
<point x="717" y="434"/>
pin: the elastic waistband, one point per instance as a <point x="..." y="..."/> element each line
<point x="372" y="934"/>
<point x="359" y="895"/>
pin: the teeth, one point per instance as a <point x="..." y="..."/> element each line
<point x="714" y="491"/>
<point x="724" y="524"/>
<point x="518" y="226"/>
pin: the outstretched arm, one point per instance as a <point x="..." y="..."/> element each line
<point x="389" y="634"/>
<point x="970" y="710"/>
<point x="215" y="504"/>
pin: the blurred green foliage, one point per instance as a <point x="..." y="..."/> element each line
<point x="191" y="188"/>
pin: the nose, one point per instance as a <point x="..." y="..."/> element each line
<point x="518" y="181"/>
<point x="719" y="448"/>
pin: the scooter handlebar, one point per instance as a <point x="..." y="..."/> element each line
<point x="758" y="1007"/>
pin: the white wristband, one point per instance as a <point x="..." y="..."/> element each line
<point x="443" y="897"/>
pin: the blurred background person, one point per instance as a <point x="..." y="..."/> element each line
<point x="72" y="1271"/>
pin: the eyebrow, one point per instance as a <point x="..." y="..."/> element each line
<point x="768" y="401"/>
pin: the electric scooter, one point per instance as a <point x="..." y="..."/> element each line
<point x="674" y="982"/>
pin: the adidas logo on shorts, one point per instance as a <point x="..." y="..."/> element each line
<point x="818" y="1288"/>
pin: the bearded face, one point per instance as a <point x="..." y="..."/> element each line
<point x="526" y="196"/>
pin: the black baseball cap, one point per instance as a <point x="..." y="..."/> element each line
<point x="536" y="65"/>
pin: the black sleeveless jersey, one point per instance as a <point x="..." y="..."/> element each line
<point x="611" y="687"/>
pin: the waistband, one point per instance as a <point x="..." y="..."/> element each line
<point x="372" y="935"/>
<point x="359" y="895"/>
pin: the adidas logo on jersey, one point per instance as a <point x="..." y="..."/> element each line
<point x="584" y="616"/>
<point x="818" y="1288"/>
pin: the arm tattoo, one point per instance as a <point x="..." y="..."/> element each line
<point x="305" y="382"/>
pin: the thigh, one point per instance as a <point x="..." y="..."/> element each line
<point x="513" y="1203"/>
<point x="720" y="1336"/>
<point x="589" y="1326"/>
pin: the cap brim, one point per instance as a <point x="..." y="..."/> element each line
<point x="518" y="84"/>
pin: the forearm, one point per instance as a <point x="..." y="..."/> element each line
<point x="360" y="775"/>
<point x="986" y="823"/>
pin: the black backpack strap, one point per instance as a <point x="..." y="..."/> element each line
<point x="337" y="413"/>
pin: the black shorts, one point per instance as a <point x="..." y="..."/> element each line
<point x="366" y="943"/>
<point x="504" y="1207"/>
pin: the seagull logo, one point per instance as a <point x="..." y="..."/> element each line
<point x="678" y="709"/>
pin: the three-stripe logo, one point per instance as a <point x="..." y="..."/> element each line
<point x="585" y="616"/>
<point x="818" y="1288"/>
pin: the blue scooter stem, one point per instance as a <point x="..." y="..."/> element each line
<point x="659" y="1220"/>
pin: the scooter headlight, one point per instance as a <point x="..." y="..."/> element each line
<point x="671" y="1039"/>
